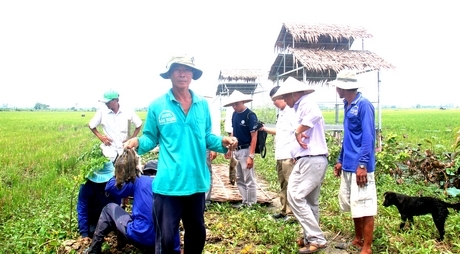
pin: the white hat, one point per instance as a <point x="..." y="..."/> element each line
<point x="346" y="79"/>
<point x="237" y="96"/>
<point x="184" y="60"/>
<point x="292" y="85"/>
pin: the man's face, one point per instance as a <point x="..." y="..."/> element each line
<point x="289" y="99"/>
<point x="181" y="75"/>
<point x="340" y="92"/>
<point x="280" y="103"/>
<point x="238" y="106"/>
<point x="111" y="104"/>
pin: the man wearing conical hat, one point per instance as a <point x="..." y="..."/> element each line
<point x="309" y="151"/>
<point x="180" y="123"/>
<point x="356" y="163"/>
<point x="283" y="139"/>
<point x="244" y="128"/>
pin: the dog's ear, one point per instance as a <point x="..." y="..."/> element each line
<point x="385" y="194"/>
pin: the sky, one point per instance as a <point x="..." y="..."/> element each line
<point x="68" y="53"/>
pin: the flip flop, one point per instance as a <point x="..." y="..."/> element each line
<point x="312" y="248"/>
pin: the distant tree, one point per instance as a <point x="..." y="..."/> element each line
<point x="41" y="106"/>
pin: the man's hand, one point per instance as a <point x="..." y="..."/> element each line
<point x="131" y="143"/>
<point x="106" y="140"/>
<point x="231" y="143"/>
<point x="361" y="177"/>
<point x="212" y="155"/>
<point x="249" y="163"/>
<point x="338" y="169"/>
<point x="300" y="137"/>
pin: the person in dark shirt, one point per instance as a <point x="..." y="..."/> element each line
<point x="92" y="198"/>
<point x="244" y="125"/>
<point x="138" y="228"/>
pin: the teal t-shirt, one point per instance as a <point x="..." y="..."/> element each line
<point x="183" y="141"/>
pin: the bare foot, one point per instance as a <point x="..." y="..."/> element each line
<point x="366" y="251"/>
<point x="357" y="243"/>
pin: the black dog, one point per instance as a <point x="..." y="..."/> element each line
<point x="409" y="207"/>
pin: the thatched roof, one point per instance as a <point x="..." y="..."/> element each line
<point x="320" y="36"/>
<point x="246" y="75"/>
<point x="243" y="80"/>
<point x="226" y="89"/>
<point x="323" y="65"/>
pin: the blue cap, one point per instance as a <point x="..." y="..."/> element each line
<point x="102" y="175"/>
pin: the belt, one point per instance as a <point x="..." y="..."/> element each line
<point x="304" y="156"/>
<point x="242" y="147"/>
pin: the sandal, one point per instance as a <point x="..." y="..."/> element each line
<point x="300" y="242"/>
<point x="312" y="248"/>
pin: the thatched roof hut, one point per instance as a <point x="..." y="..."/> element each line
<point x="243" y="80"/>
<point x="246" y="75"/>
<point x="318" y="52"/>
<point x="320" y="36"/>
<point x="323" y="65"/>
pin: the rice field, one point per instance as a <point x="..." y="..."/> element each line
<point x="38" y="158"/>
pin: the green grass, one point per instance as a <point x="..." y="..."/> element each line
<point x="39" y="152"/>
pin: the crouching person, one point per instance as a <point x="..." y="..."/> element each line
<point x="92" y="198"/>
<point x="136" y="229"/>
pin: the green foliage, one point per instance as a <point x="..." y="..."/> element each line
<point x="40" y="155"/>
<point x="334" y="145"/>
<point x="403" y="160"/>
<point x="390" y="155"/>
<point x="91" y="161"/>
<point x="249" y="230"/>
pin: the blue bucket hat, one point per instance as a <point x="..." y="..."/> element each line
<point x="102" y="175"/>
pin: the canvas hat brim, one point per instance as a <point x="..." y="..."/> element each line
<point x="102" y="175"/>
<point x="346" y="85"/>
<point x="292" y="85"/>
<point x="105" y="100"/>
<point x="108" y="96"/>
<point x="346" y="79"/>
<point x="237" y="96"/>
<point x="184" y="60"/>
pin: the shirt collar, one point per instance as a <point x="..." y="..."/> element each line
<point x="355" y="100"/>
<point x="109" y="111"/>
<point x="195" y="98"/>
<point x="296" y="104"/>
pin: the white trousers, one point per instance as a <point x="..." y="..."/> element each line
<point x="303" y="195"/>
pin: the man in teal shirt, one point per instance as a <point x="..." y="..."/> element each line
<point x="180" y="123"/>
